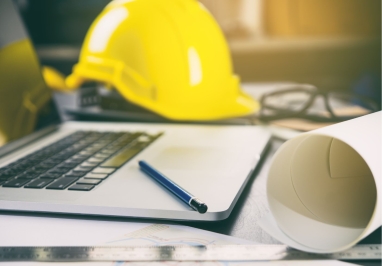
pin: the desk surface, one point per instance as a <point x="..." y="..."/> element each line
<point x="243" y="221"/>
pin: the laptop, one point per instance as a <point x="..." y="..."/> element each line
<point x="91" y="168"/>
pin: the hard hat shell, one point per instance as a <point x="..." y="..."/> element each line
<point x="168" y="56"/>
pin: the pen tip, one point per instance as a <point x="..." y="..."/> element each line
<point x="202" y="208"/>
<point x="198" y="205"/>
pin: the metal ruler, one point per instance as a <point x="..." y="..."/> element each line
<point x="181" y="253"/>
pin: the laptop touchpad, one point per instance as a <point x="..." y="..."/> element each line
<point x="195" y="158"/>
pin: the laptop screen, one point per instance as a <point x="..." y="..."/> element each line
<point x="26" y="104"/>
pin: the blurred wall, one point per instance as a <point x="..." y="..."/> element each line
<point x="322" y="17"/>
<point x="333" y="44"/>
<point x="330" y="43"/>
<point x="59" y="22"/>
<point x="58" y="27"/>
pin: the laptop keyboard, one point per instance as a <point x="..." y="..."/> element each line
<point x="79" y="161"/>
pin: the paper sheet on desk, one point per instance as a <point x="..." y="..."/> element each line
<point x="42" y="231"/>
<point x="45" y="231"/>
<point x="212" y="263"/>
<point x="324" y="187"/>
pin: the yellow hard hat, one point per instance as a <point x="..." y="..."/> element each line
<point x="168" y="56"/>
<point x="23" y="94"/>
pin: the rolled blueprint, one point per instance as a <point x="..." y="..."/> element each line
<point x="324" y="186"/>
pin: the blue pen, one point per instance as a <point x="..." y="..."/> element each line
<point x="185" y="196"/>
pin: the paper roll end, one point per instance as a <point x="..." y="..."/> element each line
<point x="321" y="192"/>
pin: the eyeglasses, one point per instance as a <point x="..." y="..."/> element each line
<point x="303" y="101"/>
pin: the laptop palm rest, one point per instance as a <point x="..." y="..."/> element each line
<point x="194" y="159"/>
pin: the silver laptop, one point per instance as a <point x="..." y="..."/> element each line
<point x="92" y="168"/>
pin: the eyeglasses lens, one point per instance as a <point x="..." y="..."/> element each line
<point x="343" y="104"/>
<point x="290" y="100"/>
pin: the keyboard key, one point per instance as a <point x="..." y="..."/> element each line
<point x="122" y="157"/>
<point x="96" y="176"/>
<point x="94" y="160"/>
<point x="42" y="167"/>
<point x="76" y="160"/>
<point x="95" y="146"/>
<point x="19" y="169"/>
<point x="50" y="176"/>
<point x="4" y="176"/>
<point x="34" y="161"/>
<point x="85" y="181"/>
<point x="27" y="176"/>
<point x="101" y="156"/>
<point x="62" y="183"/>
<point x="10" y="172"/>
<point x="47" y="165"/>
<point x="86" y="153"/>
<point x="101" y="170"/>
<point x="16" y="183"/>
<point x="144" y="138"/>
<point x="107" y="152"/>
<point x="86" y="164"/>
<point x="112" y="149"/>
<point x="35" y="171"/>
<point x="84" y="168"/>
<point x="59" y="157"/>
<point x="76" y="174"/>
<point x="59" y="171"/>
<point x="67" y="165"/>
<point x="53" y="161"/>
<point x="38" y="183"/>
<point x="81" y="187"/>
<point x="3" y="179"/>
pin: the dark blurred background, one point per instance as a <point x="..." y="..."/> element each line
<point x="58" y="28"/>
<point x="333" y="44"/>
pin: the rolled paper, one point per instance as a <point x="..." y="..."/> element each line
<point x="324" y="186"/>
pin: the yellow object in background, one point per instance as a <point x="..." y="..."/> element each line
<point x="168" y="56"/>
<point x="296" y="18"/>
<point x="54" y="79"/>
<point x="23" y="93"/>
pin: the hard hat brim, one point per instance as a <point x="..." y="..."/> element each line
<point x="241" y="105"/>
